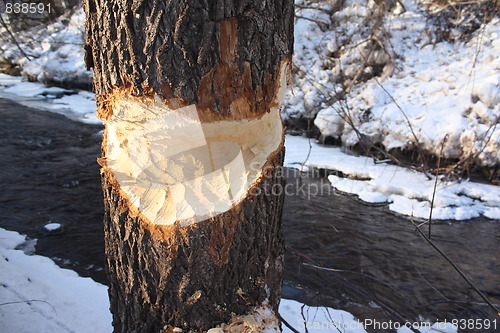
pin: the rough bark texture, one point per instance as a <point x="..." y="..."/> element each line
<point x="194" y="277"/>
<point x="224" y="56"/>
<point x="170" y="46"/>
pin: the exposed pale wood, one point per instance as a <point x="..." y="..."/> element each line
<point x="224" y="56"/>
<point x="193" y="277"/>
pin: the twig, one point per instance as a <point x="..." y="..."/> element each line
<point x="322" y="25"/>
<point x="431" y="243"/>
<point x="13" y="38"/>
<point x="310" y="146"/>
<point x="435" y="183"/>
<point x="417" y="141"/>
<point x="287" y="324"/>
<point x="330" y="12"/>
<point x="304" y="317"/>
<point x="345" y="114"/>
<point x="432" y="286"/>
<point x="462" y="164"/>
<point x="324" y="268"/>
<point x="391" y="313"/>
<point x="300" y="254"/>
<point x="28" y="301"/>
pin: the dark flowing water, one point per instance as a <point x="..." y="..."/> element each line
<point x="384" y="269"/>
<point x="340" y="252"/>
<point x="48" y="173"/>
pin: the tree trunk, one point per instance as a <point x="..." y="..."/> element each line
<point x="190" y="93"/>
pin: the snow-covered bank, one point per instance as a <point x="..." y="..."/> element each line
<point x="39" y="296"/>
<point x="56" y="51"/>
<point x="407" y="192"/>
<point x="74" y="104"/>
<point x="425" y="90"/>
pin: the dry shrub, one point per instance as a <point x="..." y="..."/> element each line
<point x="456" y="20"/>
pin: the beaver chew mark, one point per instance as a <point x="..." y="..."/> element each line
<point x="173" y="167"/>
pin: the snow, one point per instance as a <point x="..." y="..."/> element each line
<point x="260" y="319"/>
<point x="318" y="319"/>
<point x="39" y="296"/>
<point x="408" y="192"/>
<point x="56" y="51"/>
<point x="52" y="226"/>
<point x="429" y="92"/>
<point x="75" y="104"/>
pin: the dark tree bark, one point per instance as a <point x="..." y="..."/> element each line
<point x="229" y="58"/>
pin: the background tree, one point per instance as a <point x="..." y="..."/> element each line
<point x="190" y="90"/>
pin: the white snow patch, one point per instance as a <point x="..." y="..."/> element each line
<point x="82" y="104"/>
<point x="52" y="226"/>
<point x="56" y="51"/>
<point x="26" y="89"/>
<point x="442" y="89"/>
<point x="39" y="296"/>
<point x="408" y="192"/>
<point x="75" y="104"/>
<point x="318" y="319"/>
<point x="493" y="213"/>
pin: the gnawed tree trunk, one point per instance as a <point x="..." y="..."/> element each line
<point x="190" y="93"/>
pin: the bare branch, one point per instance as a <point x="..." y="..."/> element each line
<point x="329" y="12"/>
<point x="322" y="25"/>
<point x="435" y="183"/>
<point x="457" y="269"/>
<point x="13" y="38"/>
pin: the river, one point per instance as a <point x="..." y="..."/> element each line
<point x="340" y="252"/>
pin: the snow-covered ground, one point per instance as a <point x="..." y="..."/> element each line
<point x="426" y="91"/>
<point x="56" y="52"/>
<point x="38" y="296"/>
